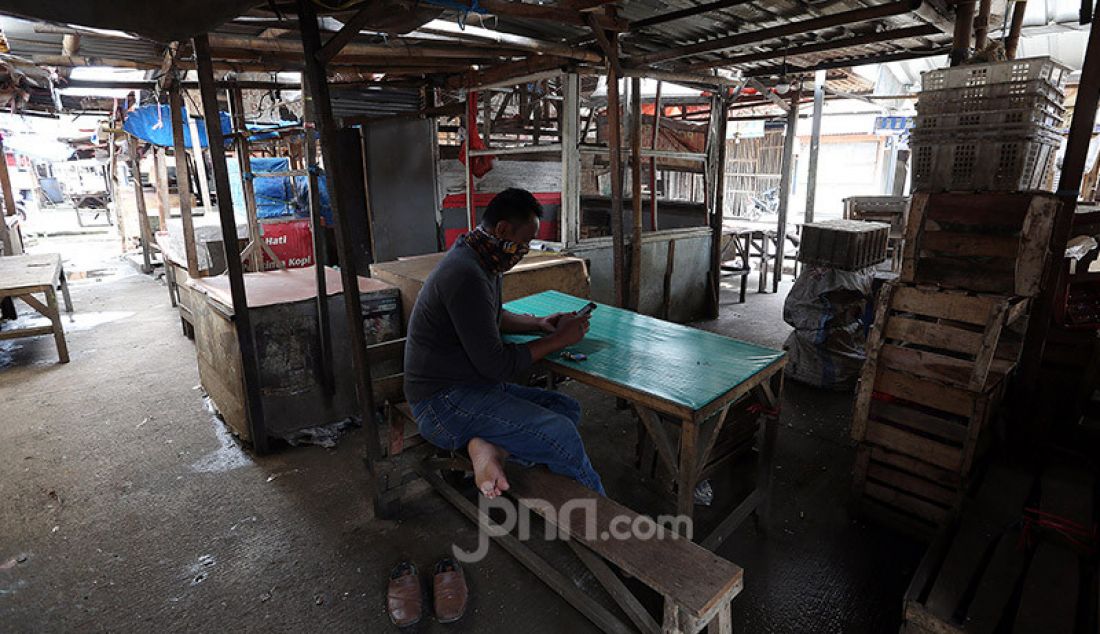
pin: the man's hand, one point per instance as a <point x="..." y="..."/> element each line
<point x="571" y="328"/>
<point x="549" y="324"/>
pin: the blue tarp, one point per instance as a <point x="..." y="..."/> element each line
<point x="153" y="124"/>
<point x="278" y="197"/>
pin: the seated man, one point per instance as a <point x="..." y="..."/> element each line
<point x="457" y="367"/>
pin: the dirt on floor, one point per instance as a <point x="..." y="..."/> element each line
<point x="125" y="505"/>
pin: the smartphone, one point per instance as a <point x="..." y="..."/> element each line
<point x="587" y="310"/>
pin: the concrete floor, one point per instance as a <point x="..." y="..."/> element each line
<point x="125" y="505"/>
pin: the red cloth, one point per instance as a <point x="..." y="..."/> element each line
<point x="480" y="165"/>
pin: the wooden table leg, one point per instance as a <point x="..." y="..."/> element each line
<point x="685" y="479"/>
<point x="763" y="264"/>
<point x="65" y="291"/>
<point x="58" y="330"/>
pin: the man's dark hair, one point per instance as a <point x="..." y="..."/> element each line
<point x="514" y="205"/>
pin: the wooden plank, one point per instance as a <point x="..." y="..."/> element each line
<point x="912" y="465"/>
<point x="924" y="392"/>
<point x="33" y="302"/>
<point x="931" y="365"/>
<point x="698" y="580"/>
<point x="988" y="347"/>
<point x="951" y="305"/>
<point x="652" y="423"/>
<point x="997" y="584"/>
<point x="387" y="350"/>
<point x="922" y="448"/>
<point x="20" y="274"/>
<point x="970" y="244"/>
<point x="547" y="573"/>
<point x="26" y="332"/>
<point x="1048" y="602"/>
<point x="908" y="482"/>
<point x="944" y="428"/>
<point x="1035" y="244"/>
<point x="686" y="475"/>
<point x="906" y="502"/>
<point x="994" y="276"/>
<point x="935" y="335"/>
<point x="999" y="502"/>
<point x="616" y="588"/>
<point x="979" y="209"/>
<point x="865" y="389"/>
<point x="913" y="235"/>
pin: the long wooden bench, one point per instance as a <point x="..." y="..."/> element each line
<point x="697" y="584"/>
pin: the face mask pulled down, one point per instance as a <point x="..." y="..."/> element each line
<point x="497" y="256"/>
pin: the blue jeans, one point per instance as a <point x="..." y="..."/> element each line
<point x="532" y="425"/>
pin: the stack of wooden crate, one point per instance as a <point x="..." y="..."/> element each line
<point x="946" y="336"/>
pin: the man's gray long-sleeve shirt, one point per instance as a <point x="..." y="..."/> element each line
<point x="454" y="330"/>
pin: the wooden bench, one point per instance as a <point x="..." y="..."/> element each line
<point x="401" y="431"/>
<point x="697" y="585"/>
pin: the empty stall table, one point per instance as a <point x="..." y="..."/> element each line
<point x="21" y="276"/>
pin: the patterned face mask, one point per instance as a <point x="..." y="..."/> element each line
<point x="497" y="256"/>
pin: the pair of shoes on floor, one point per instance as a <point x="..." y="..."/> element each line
<point x="405" y="598"/>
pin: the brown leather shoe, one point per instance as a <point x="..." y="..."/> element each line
<point x="449" y="591"/>
<point x="404" y="599"/>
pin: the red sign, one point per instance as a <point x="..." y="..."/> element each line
<point x="291" y="241"/>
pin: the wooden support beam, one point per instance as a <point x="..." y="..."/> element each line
<point x="347" y="33"/>
<point x="9" y="204"/>
<point x="610" y="51"/>
<point x="964" y="24"/>
<point x="815" y="144"/>
<point x="160" y="181"/>
<point x="615" y="144"/>
<point x="317" y="227"/>
<point x="335" y="175"/>
<point x="835" y="44"/>
<point x="183" y="179"/>
<point x="142" y="211"/>
<point x="636" y="193"/>
<point x="785" y="179"/>
<point x="718" y="122"/>
<point x="395" y="49"/>
<point x="549" y="13"/>
<point x="254" y="255"/>
<point x="570" y="160"/>
<point x="242" y="319"/>
<point x="672" y="16"/>
<point x="772" y="71"/>
<point x="792" y="28"/>
<point x="981" y="24"/>
<point x="500" y="38"/>
<point x="1012" y="42"/>
<point x="495" y="75"/>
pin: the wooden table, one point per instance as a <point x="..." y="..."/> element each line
<point x="669" y="372"/>
<point x="21" y="276"/>
<point x="760" y="240"/>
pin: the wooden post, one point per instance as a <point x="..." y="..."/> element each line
<point x="1073" y="166"/>
<point x="112" y="181"/>
<point x="570" y="160"/>
<point x="964" y="24"/>
<point x="615" y="148"/>
<point x="815" y="143"/>
<point x="1013" y="39"/>
<point x="324" y="328"/>
<point x="318" y="85"/>
<point x="981" y="24"/>
<point x="653" y="159"/>
<point x="9" y="204"/>
<point x="183" y="179"/>
<point x="241" y="317"/>
<point x="160" y="181"/>
<point x="200" y="164"/>
<point x="636" y="193"/>
<point x="719" y="119"/>
<point x="254" y="253"/>
<point x="786" y="172"/>
<point x="142" y="211"/>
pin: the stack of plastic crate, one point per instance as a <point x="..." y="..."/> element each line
<point x="988" y="127"/>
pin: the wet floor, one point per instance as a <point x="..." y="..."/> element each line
<point x="124" y="506"/>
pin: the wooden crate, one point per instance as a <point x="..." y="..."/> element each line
<point x="843" y="244"/>
<point x="957" y="338"/>
<point x="992" y="572"/>
<point x="902" y="492"/>
<point x="983" y="242"/>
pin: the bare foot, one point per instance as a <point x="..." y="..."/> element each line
<point x="488" y="461"/>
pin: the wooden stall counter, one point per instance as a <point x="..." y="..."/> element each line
<point x="539" y="271"/>
<point x="283" y="309"/>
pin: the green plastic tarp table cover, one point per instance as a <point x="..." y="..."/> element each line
<point x="687" y="366"/>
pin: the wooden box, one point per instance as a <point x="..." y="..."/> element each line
<point x="283" y="310"/>
<point x="953" y="337"/>
<point x="844" y="244"/>
<point x="988" y="242"/>
<point x="999" y="570"/>
<point x="537" y="272"/>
